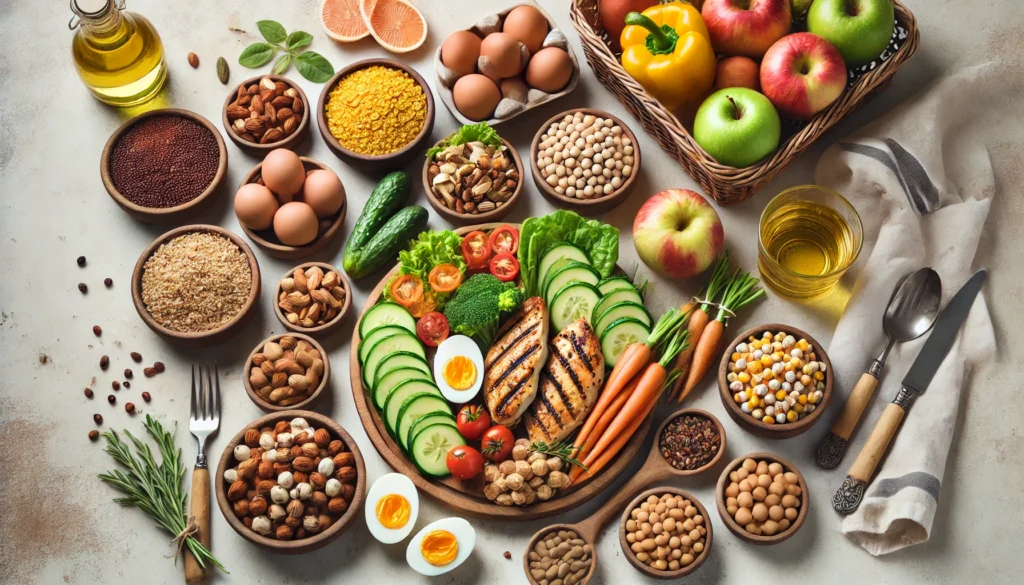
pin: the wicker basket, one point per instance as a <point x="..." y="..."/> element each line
<point x="729" y="185"/>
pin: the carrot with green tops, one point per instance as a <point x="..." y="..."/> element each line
<point x="602" y="424"/>
<point x="700" y="317"/>
<point x="614" y="448"/>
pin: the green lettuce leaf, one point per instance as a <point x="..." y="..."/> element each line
<point x="597" y="239"/>
<point x="469" y="133"/>
<point x="427" y="251"/>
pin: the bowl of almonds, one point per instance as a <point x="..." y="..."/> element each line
<point x="286" y="371"/>
<point x="266" y="112"/>
<point x="313" y="298"/>
<point x="291" y="482"/>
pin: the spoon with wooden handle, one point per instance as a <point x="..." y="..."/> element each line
<point x="654" y="469"/>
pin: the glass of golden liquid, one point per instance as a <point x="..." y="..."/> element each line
<point x="808" y="237"/>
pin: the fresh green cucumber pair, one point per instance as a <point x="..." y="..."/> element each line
<point x="383" y="229"/>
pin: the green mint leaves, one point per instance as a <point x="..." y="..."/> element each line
<point x="310" y="65"/>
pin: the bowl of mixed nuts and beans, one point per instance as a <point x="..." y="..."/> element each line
<point x="291" y="482"/>
<point x="473" y="183"/>
<point x="286" y="372"/>
<point x="313" y="298"/>
<point x="266" y="112"/>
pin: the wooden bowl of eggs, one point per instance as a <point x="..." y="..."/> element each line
<point x="504" y="65"/>
<point x="290" y="206"/>
<point x="762" y="498"/>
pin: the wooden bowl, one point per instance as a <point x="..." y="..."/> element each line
<point x="177" y="213"/>
<point x="383" y="162"/>
<point x="202" y="338"/>
<point x="739" y="530"/>
<point x="268" y="241"/>
<point x="293" y="547"/>
<point x="555" y="528"/>
<point x="326" y="328"/>
<point x="585" y="207"/>
<point x="308" y="402"/>
<point x="651" y="571"/>
<point x="754" y="426"/>
<point x="289" y="142"/>
<point x="469" y="218"/>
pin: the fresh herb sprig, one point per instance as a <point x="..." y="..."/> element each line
<point x="155" y="488"/>
<point x="311" y="65"/>
<point x="561" y="449"/>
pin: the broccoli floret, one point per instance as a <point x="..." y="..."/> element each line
<point x="478" y="305"/>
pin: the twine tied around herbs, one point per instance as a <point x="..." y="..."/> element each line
<point x="191" y="530"/>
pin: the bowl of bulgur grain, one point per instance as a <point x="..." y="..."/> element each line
<point x="196" y="285"/>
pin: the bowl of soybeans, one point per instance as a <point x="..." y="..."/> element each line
<point x="762" y="498"/>
<point x="665" y="533"/>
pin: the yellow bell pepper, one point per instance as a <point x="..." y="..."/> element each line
<point x="668" y="51"/>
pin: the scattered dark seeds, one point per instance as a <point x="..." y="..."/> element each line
<point x="149" y="372"/>
<point x="129" y="408"/>
<point x="136" y="356"/>
<point x="97" y="418"/>
<point x="126" y="384"/>
<point x="159" y="367"/>
<point x="690" y="442"/>
<point x="108" y="282"/>
<point x="507" y="555"/>
<point x="88" y="392"/>
<point x="94" y="434"/>
<point x="146" y="396"/>
<point x="128" y="373"/>
<point x="83" y="288"/>
<point x="111" y="399"/>
<point x="43" y="358"/>
<point x="96" y="330"/>
<point x="104" y="362"/>
<point x="193" y="60"/>
<point x="223" y="73"/>
<point x="115" y="385"/>
<point x="81" y="260"/>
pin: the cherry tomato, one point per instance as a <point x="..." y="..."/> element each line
<point x="432" y="328"/>
<point x="445" y="278"/>
<point x="504" y="238"/>
<point x="407" y="290"/>
<point x="497" y="443"/>
<point x="426" y="304"/>
<point x="464" y="462"/>
<point x="473" y="421"/>
<point x="475" y="249"/>
<point x="505" y="267"/>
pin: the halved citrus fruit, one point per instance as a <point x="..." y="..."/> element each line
<point x="342" y="20"/>
<point x="396" y="24"/>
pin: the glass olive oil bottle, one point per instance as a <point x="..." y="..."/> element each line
<point x="118" y="54"/>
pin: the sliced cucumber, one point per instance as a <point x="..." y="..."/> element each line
<point x="413" y="408"/>
<point x="395" y="400"/>
<point x="400" y="359"/>
<point x="573" y="301"/>
<point x="620" y="311"/>
<point x="619" y="335"/>
<point x="386" y="314"/>
<point x="613" y="283"/>
<point x="571" y="272"/>
<point x="371" y="339"/>
<point x="388" y="346"/>
<point x="385" y="384"/>
<point x="429" y="448"/>
<point x="623" y="295"/>
<point x="555" y="252"/>
<point x="421" y="422"/>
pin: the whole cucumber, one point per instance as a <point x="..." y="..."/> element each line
<point x="387" y="197"/>
<point x="384" y="246"/>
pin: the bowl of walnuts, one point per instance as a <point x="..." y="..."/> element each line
<point x="291" y="481"/>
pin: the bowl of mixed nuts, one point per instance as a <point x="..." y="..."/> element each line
<point x="291" y="481"/>
<point x="313" y="298"/>
<point x="266" y="112"/>
<point x="473" y="183"/>
<point x="286" y="372"/>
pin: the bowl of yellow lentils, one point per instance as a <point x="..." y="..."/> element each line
<point x="775" y="381"/>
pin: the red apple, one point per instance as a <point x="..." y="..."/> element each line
<point x="802" y="74"/>
<point x="678" y="234"/>
<point x="737" y="72"/>
<point x="746" y="27"/>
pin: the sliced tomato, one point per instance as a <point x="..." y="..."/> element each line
<point x="426" y="304"/>
<point x="445" y="278"/>
<point x="432" y="328"/>
<point x="475" y="249"/>
<point x="504" y="238"/>
<point x="407" y="290"/>
<point x="505" y="267"/>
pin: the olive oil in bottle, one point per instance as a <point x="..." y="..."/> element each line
<point x="118" y="54"/>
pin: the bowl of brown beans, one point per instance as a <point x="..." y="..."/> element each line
<point x="665" y="533"/>
<point x="286" y="372"/>
<point x="762" y="498"/>
<point x="266" y="112"/>
<point x="164" y="165"/>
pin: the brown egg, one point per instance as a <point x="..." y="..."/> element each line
<point x="323" y="192"/>
<point x="549" y="70"/>
<point x="528" y="25"/>
<point x="514" y="88"/>
<point x="500" y="56"/>
<point x="255" y="206"/>
<point x="460" y="51"/>
<point x="295" y="224"/>
<point x="476" y="96"/>
<point x="283" y="173"/>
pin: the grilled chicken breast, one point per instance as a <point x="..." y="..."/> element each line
<point x="514" y="362"/>
<point x="569" y="384"/>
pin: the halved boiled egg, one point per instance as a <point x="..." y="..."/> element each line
<point x="458" y="369"/>
<point x="441" y="546"/>
<point x="392" y="506"/>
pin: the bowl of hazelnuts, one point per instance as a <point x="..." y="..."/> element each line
<point x="291" y="481"/>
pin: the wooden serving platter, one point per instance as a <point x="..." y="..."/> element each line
<point x="467" y="497"/>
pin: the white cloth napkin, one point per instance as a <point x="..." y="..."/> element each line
<point x="928" y="153"/>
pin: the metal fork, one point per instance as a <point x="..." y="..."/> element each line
<point x="203" y="420"/>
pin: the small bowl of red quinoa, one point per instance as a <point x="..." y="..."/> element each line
<point x="164" y="166"/>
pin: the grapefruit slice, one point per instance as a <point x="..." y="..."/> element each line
<point x="342" y="21"/>
<point x="396" y="24"/>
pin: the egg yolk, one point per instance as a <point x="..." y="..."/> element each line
<point x="439" y="547"/>
<point x="393" y="511"/>
<point x="460" y="373"/>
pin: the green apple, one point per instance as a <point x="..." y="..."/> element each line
<point x="860" y="29"/>
<point x="798" y="7"/>
<point x="737" y="126"/>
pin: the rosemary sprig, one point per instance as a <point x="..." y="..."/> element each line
<point x="561" y="449"/>
<point x="154" y="488"/>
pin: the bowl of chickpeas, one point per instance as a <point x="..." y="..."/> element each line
<point x="665" y="533"/>
<point x="762" y="498"/>
<point x="775" y="381"/>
